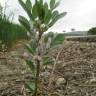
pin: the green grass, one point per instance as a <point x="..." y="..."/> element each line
<point x="11" y="32"/>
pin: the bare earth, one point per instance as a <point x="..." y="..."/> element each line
<point x="78" y="68"/>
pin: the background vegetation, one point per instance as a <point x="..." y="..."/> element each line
<point x="92" y="31"/>
<point x="9" y="31"/>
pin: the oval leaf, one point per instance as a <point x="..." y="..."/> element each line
<point x="24" y="22"/>
<point x="29" y="4"/>
<point x="32" y="46"/>
<point x="25" y="7"/>
<point x="57" y="40"/>
<point x="47" y="61"/>
<point x="52" y="4"/>
<point x="30" y="85"/>
<point x="31" y="66"/>
<point x="55" y="19"/>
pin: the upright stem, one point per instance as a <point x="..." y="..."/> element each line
<point x="37" y="66"/>
<point x="37" y="78"/>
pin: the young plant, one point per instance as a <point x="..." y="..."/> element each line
<point x="42" y="16"/>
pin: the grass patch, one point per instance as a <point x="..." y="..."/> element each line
<point x="11" y="32"/>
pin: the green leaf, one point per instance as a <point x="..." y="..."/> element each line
<point x="30" y="85"/>
<point x="32" y="46"/>
<point x="29" y="48"/>
<point x="56" y="18"/>
<point x="54" y="14"/>
<point x="47" y="36"/>
<point x="31" y="66"/>
<point x="35" y="11"/>
<point x="57" y="40"/>
<point x="46" y="8"/>
<point x="48" y="17"/>
<point x="29" y="4"/>
<point x="40" y="11"/>
<point x="52" y="4"/>
<point x="47" y="13"/>
<point x="24" y="22"/>
<point x="41" y="2"/>
<point x="47" y="61"/>
<point x="25" y="7"/>
<point x="56" y="5"/>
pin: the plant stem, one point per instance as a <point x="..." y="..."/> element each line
<point x="38" y="65"/>
<point x="37" y="77"/>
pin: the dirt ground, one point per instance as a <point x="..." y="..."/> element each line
<point x="77" y="68"/>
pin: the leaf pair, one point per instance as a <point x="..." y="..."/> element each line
<point x="27" y="7"/>
<point x="54" y="4"/>
<point x="56" y="39"/>
<point x="55" y="17"/>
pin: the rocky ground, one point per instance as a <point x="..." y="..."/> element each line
<point x="74" y="76"/>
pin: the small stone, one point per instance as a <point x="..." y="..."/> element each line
<point x="74" y="91"/>
<point x="60" y="81"/>
<point x="25" y="54"/>
<point x="93" y="80"/>
<point x="45" y="74"/>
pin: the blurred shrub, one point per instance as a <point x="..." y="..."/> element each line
<point x="92" y="31"/>
<point x="11" y="32"/>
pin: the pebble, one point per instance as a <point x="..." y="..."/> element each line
<point x="60" y="81"/>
